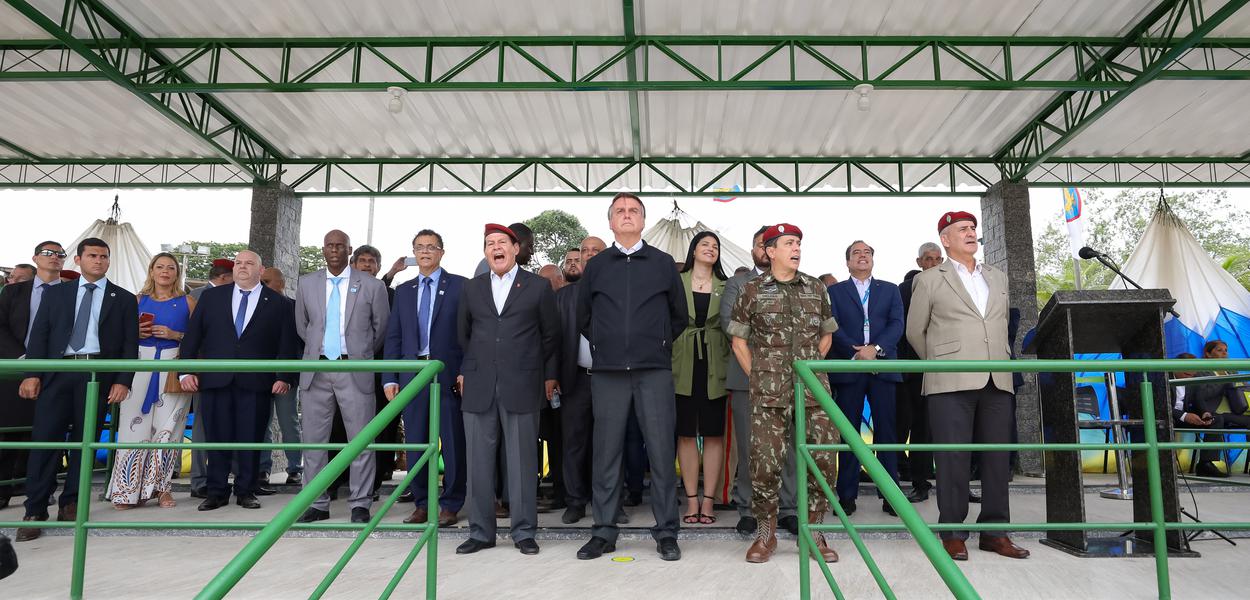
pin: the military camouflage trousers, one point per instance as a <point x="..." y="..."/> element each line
<point x="772" y="431"/>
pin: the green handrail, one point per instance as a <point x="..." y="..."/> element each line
<point x="426" y="371"/>
<point x="806" y="378"/>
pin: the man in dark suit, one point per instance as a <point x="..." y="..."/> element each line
<point x="912" y="417"/>
<point x="423" y="327"/>
<point x="220" y="272"/>
<point x="510" y="333"/>
<point x="243" y="320"/>
<point x="1198" y="407"/>
<point x="90" y="319"/>
<point x="18" y="303"/>
<point x="576" y="421"/>
<point x="871" y="313"/>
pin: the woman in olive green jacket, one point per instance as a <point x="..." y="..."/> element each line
<point x="699" y="358"/>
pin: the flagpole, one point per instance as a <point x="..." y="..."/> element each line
<point x="1076" y="273"/>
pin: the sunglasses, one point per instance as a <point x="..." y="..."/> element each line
<point x="56" y="253"/>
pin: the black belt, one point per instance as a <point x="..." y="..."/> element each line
<point x="82" y="356"/>
<point x="324" y="357"/>
<point x="584" y="371"/>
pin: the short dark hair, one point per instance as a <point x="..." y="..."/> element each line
<point x="848" y="248"/>
<point x="426" y="232"/>
<point x="573" y="249"/>
<point x="620" y="195"/>
<point x="44" y="244"/>
<point x="758" y="233"/>
<point x="24" y="266"/>
<point x="1209" y="346"/>
<point x="1185" y="355"/>
<point x="92" y="242"/>
<point x="367" y="249"/>
<point x="522" y="231"/>
<point x="215" y="271"/>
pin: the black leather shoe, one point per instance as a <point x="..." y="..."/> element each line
<point x="622" y="517"/>
<point x="247" y="501"/>
<point x="667" y="547"/>
<point x="848" y="506"/>
<point x="633" y="498"/>
<point x="294" y="479"/>
<point x="264" y="489"/>
<point x="313" y="514"/>
<point x="199" y="492"/>
<point x="360" y="514"/>
<point x="213" y="503"/>
<point x="746" y="526"/>
<point x="887" y="509"/>
<point x="406" y="497"/>
<point x="595" y="548"/>
<point x="471" y="545"/>
<point x="4" y="501"/>
<point x="527" y="547"/>
<point x="1208" y="469"/>
<point x="573" y="514"/>
<point x="789" y="523"/>
<point x="974" y="497"/>
<point x="8" y="558"/>
<point x="918" y="494"/>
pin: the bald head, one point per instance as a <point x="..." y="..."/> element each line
<point x="247" y="269"/>
<point x="552" y="274"/>
<point x="336" y="248"/>
<point x="273" y="279"/>
<point x="590" y="247"/>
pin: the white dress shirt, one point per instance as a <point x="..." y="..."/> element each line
<point x="630" y="250"/>
<point x="253" y="298"/>
<point x="974" y="282"/>
<point x="36" y="298"/>
<point x="344" y="283"/>
<point x="499" y="287"/>
<point x="861" y="287"/>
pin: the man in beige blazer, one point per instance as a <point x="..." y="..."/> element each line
<point x="340" y="313"/>
<point x="959" y="312"/>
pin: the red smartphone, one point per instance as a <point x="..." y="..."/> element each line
<point x="146" y="317"/>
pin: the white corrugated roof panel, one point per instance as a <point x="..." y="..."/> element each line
<point x="1171" y="118"/>
<point x="15" y="26"/>
<point x="89" y="119"/>
<point x="312" y="18"/>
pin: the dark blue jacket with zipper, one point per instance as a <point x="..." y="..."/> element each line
<point x="631" y="307"/>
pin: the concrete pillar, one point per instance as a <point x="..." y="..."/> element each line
<point x="1007" y="239"/>
<point x="274" y="234"/>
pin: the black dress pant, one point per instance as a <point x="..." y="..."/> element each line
<point x="550" y="431"/>
<point x="981" y="416"/>
<point x="58" y="417"/>
<point x="576" y="426"/>
<point x="913" y="425"/>
<point x="233" y="414"/>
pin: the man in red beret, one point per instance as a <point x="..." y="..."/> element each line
<point x="782" y="316"/>
<point x="510" y="332"/>
<point x="959" y="311"/>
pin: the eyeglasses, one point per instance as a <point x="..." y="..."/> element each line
<point x="56" y="253"/>
<point x="426" y="248"/>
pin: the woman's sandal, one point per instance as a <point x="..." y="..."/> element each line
<point x="695" y="518"/>
<point x="708" y="518"/>
<point x="167" y="500"/>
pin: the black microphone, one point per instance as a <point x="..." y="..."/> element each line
<point x="1088" y="253"/>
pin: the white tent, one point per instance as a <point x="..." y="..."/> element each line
<point x="673" y="233"/>
<point x="129" y="258"/>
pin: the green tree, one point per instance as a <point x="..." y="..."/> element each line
<point x="1116" y="223"/>
<point x="310" y="259"/>
<point x="198" y="266"/>
<point x="555" y="231"/>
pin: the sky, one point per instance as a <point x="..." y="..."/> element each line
<point x="894" y="226"/>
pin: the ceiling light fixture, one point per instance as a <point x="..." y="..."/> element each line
<point x="863" y="89"/>
<point x="396" y="103"/>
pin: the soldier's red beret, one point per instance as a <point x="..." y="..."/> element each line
<point x="497" y="228"/>
<point x="69" y="274"/>
<point x="955" y="217"/>
<point x="223" y="263"/>
<point x="781" y="229"/>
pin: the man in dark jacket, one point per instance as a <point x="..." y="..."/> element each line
<point x="912" y="418"/>
<point x="631" y="306"/>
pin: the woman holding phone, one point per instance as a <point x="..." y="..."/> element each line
<point x="156" y="410"/>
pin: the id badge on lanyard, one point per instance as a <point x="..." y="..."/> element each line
<point x="863" y="300"/>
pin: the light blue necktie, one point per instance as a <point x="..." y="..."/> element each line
<point x="423" y="315"/>
<point x="78" y="337"/>
<point x="331" y="342"/>
<point x="241" y="317"/>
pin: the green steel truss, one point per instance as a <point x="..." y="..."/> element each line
<point x="112" y="50"/>
<point x="761" y="176"/>
<point x="601" y="63"/>
<point x="1173" y="29"/>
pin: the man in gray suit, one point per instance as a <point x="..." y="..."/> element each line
<point x="221" y="272"/>
<point x="510" y="332"/>
<point x="740" y="399"/>
<point x="340" y="313"/>
<point x="959" y="311"/>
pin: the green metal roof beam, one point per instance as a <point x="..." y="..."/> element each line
<point x="1073" y="112"/>
<point x="631" y="70"/>
<point x="20" y="151"/>
<point x="195" y="114"/>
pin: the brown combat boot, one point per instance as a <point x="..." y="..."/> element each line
<point x="765" y="541"/>
<point x="822" y="545"/>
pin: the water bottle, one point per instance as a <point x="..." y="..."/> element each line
<point x="555" y="399"/>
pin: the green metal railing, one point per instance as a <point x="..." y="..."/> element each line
<point x="807" y="373"/>
<point x="268" y="533"/>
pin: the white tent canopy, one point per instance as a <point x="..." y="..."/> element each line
<point x="129" y="257"/>
<point x="673" y="233"/>
<point x="1169" y="256"/>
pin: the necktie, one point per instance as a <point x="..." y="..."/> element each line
<point x="241" y="317"/>
<point x="79" y="338"/>
<point x="331" y="343"/>
<point x="423" y="315"/>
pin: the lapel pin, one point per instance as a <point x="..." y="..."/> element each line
<point x="440" y="292"/>
<point x="113" y="294"/>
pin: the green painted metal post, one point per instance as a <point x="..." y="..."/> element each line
<point x="86" y="459"/>
<point x="431" y="498"/>
<point x="1156" y="490"/>
<point x="800" y="460"/>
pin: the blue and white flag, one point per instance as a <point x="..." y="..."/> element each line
<point x="1074" y="214"/>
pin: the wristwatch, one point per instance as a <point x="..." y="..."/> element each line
<point x="877" y="347"/>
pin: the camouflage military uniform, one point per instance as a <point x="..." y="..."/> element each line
<point x="782" y="322"/>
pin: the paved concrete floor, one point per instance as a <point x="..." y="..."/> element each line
<point x="712" y="566"/>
